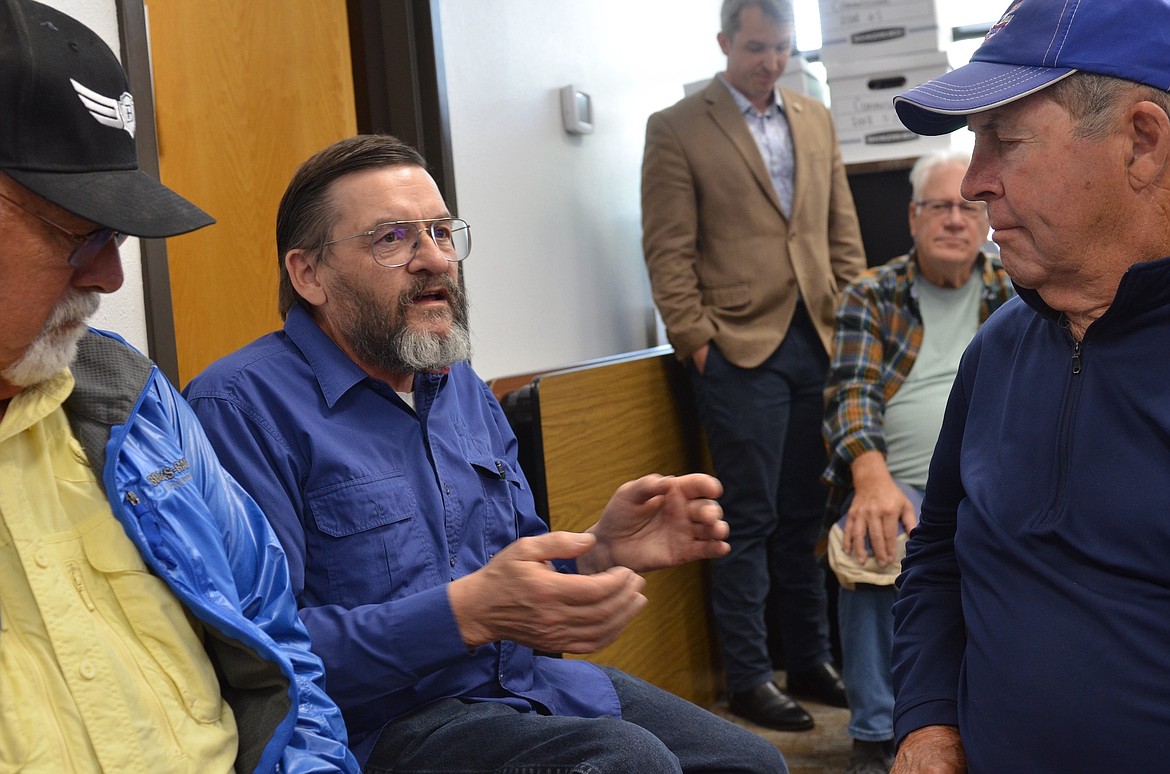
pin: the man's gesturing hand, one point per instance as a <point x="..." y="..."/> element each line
<point x="659" y="521"/>
<point x="519" y="596"/>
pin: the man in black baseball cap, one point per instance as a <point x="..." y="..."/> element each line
<point x="1033" y="616"/>
<point x="146" y="618"/>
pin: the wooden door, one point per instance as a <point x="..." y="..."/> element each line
<point x="245" y="90"/>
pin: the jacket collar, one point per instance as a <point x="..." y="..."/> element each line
<point x="726" y="113"/>
<point x="1144" y="285"/>
<point x="109" y="378"/>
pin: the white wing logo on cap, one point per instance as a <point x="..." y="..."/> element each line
<point x="116" y="112"/>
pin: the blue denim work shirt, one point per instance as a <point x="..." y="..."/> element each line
<point x="378" y="508"/>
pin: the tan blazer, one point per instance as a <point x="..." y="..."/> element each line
<point x="725" y="265"/>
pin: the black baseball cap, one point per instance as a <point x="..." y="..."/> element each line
<point x="67" y="126"/>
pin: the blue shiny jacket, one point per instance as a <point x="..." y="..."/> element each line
<point x="201" y="533"/>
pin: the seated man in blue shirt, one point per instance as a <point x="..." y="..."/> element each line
<point x="425" y="577"/>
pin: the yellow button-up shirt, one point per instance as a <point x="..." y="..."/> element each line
<point x="101" y="668"/>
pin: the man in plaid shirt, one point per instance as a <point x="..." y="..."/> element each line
<point x="901" y="330"/>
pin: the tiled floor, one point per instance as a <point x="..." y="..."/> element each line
<point x="823" y="750"/>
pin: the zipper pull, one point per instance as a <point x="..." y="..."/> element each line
<point x="1076" y="358"/>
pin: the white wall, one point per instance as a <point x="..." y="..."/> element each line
<point x="556" y="272"/>
<point x="124" y="311"/>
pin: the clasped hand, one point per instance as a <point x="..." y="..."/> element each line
<point x="877" y="508"/>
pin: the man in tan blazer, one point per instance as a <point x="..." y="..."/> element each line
<point x="750" y="233"/>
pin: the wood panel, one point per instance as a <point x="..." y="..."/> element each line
<point x="244" y="92"/>
<point x="601" y="426"/>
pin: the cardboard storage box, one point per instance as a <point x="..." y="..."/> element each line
<point x="862" y="95"/>
<point x="851" y="29"/>
<point x="800" y="77"/>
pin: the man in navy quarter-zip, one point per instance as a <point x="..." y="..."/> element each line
<point x="426" y="579"/>
<point x="1034" y="613"/>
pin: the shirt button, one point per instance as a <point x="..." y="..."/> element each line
<point x="452" y="560"/>
<point x="87" y="670"/>
<point x="41" y="558"/>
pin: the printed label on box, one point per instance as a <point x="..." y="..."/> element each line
<point x="841" y="18"/>
<point x="891" y="144"/>
<point x="880" y="26"/>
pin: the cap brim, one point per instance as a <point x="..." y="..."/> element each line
<point x="941" y="105"/>
<point x="128" y="201"/>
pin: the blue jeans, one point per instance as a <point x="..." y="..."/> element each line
<point x="866" y="618"/>
<point x="763" y="428"/>
<point x="658" y="732"/>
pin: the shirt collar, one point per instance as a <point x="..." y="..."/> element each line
<point x="336" y="373"/>
<point x="745" y="105"/>
<point x="32" y="404"/>
<point x="984" y="266"/>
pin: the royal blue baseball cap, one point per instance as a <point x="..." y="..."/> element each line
<point x="1037" y="43"/>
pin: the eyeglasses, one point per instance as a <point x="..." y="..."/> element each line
<point x="88" y="245"/>
<point x="938" y="208"/>
<point x="395" y="244"/>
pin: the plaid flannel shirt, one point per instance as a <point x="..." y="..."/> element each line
<point x="877" y="337"/>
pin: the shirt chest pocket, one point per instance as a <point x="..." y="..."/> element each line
<point x="372" y="540"/>
<point x="139" y="610"/>
<point x="501" y="486"/>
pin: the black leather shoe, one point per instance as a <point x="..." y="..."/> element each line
<point x="768" y="706"/>
<point x="822" y="683"/>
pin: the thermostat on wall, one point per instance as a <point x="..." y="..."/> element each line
<point x="576" y="110"/>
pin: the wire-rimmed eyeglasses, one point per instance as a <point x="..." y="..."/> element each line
<point x="395" y="243"/>
<point x="938" y="208"/>
<point x="88" y="244"/>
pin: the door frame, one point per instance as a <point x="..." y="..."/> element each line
<point x="403" y="38"/>
<point x="156" y="273"/>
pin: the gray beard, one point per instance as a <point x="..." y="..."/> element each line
<point x="55" y="347"/>
<point x="378" y="334"/>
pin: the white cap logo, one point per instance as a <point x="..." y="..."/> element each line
<point x="116" y="112"/>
